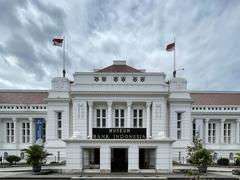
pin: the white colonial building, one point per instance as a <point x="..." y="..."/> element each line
<point x="119" y="119"/>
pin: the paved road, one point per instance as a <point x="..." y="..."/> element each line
<point x="26" y="171"/>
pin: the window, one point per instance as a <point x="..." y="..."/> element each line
<point x="231" y="156"/>
<point x="25" y="132"/>
<point x="22" y="155"/>
<point x="101" y="118"/>
<point x="179" y="125"/>
<point x="137" y="118"/>
<point x="115" y="79"/>
<point x="142" y="79"/>
<point x="96" y="79"/>
<point x="135" y="79"/>
<point x="227" y="133"/>
<point x="104" y="79"/>
<point x="59" y="125"/>
<point x="123" y="79"/>
<point x="119" y="117"/>
<point x="212" y="133"/>
<point x="10" y="132"/>
<point x="179" y="156"/>
<point x="215" y="156"/>
<point x="5" y="155"/>
<point x="194" y="129"/>
<point x="44" y="131"/>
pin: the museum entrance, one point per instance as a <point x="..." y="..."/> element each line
<point x="119" y="160"/>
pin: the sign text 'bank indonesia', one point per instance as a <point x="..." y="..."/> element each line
<point x="119" y="133"/>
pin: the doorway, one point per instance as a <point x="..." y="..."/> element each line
<point x="119" y="160"/>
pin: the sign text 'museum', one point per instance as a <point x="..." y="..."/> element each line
<point x="119" y="133"/>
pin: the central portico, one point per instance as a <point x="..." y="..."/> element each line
<point x="118" y="119"/>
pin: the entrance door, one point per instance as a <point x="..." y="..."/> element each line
<point x="119" y="160"/>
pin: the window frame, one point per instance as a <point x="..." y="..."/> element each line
<point x="227" y="131"/>
<point x="101" y="120"/>
<point x="119" y="120"/>
<point x="137" y="121"/>
<point x="25" y="137"/>
<point x="9" y="128"/>
<point x="179" y="124"/>
<point x="59" y="121"/>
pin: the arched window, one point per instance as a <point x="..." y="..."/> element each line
<point x="22" y="155"/>
<point x="231" y="156"/>
<point x="5" y="154"/>
<point x="215" y="156"/>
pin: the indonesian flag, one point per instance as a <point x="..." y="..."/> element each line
<point x="170" y="47"/>
<point x="57" y="41"/>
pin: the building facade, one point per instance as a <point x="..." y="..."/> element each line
<point x="119" y="119"/>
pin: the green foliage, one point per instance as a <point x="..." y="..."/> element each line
<point x="12" y="159"/>
<point x="238" y="156"/>
<point x="35" y="154"/>
<point x="198" y="155"/>
<point x="197" y="145"/>
<point x="202" y="157"/>
<point x="223" y="161"/>
<point x="237" y="163"/>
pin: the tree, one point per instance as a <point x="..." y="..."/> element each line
<point x="199" y="156"/>
<point x="35" y="156"/>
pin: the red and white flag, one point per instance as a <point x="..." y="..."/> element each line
<point x="57" y="41"/>
<point x="170" y="47"/>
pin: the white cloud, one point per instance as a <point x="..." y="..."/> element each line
<point x="99" y="31"/>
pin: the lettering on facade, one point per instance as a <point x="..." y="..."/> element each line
<point x="119" y="133"/>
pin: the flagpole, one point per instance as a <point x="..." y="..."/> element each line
<point x="174" y="70"/>
<point x="64" y="72"/>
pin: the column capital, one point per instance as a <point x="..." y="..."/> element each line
<point x="109" y="103"/>
<point x="237" y="120"/>
<point x="207" y="120"/>
<point x="90" y="103"/>
<point x="30" y="119"/>
<point x="148" y="103"/>
<point x="129" y="103"/>
<point x="14" y="119"/>
<point x="222" y="120"/>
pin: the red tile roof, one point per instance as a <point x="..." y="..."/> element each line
<point x="23" y="97"/>
<point x="119" y="69"/>
<point x="216" y="98"/>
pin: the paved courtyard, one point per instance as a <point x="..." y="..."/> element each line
<point x="26" y="172"/>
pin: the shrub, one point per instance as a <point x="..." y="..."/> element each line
<point x="12" y="159"/>
<point x="202" y="157"/>
<point x="223" y="161"/>
<point x="237" y="163"/>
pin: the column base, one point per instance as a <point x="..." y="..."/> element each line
<point x="133" y="170"/>
<point x="105" y="170"/>
<point x="163" y="170"/>
<point x="71" y="171"/>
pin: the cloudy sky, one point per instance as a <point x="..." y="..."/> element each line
<point x="97" y="32"/>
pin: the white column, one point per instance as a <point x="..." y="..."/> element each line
<point x="15" y="129"/>
<point x="105" y="159"/>
<point x="31" y="130"/>
<point x="74" y="159"/>
<point x="2" y="134"/>
<point x="199" y="127"/>
<point x="129" y="122"/>
<point x="109" y="103"/>
<point x="222" y="131"/>
<point x="206" y="130"/>
<point x="90" y="113"/>
<point x="237" y="131"/>
<point x="148" y="104"/>
<point x="133" y="158"/>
